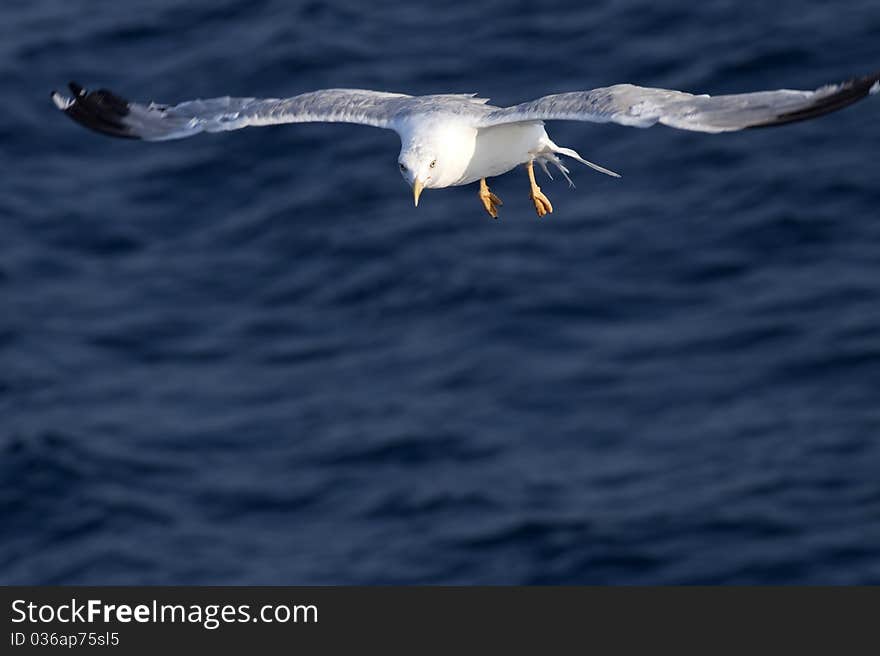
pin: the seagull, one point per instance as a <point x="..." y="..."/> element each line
<point x="457" y="139"/>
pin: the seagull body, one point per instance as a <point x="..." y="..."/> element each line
<point x="457" y="139"/>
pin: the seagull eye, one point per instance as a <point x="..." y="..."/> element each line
<point x="402" y="166"/>
<point x="434" y="163"/>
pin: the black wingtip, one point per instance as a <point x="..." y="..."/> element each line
<point x="847" y="93"/>
<point x="101" y="110"/>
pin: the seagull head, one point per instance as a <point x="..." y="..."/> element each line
<point x="434" y="155"/>
<point x="419" y="169"/>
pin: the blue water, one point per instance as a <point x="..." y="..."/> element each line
<point x="246" y="358"/>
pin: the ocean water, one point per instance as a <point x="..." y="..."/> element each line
<point x="246" y="358"/>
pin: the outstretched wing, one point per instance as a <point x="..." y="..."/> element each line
<point x="642" y="107"/>
<point x="108" y="113"/>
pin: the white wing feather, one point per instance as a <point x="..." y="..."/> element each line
<point x="625" y="104"/>
<point x="642" y="107"/>
<point x="106" y="112"/>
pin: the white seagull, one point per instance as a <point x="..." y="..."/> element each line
<point x="455" y="139"/>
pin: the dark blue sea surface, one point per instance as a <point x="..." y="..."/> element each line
<point x="246" y="358"/>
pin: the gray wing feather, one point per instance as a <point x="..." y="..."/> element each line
<point x="108" y="113"/>
<point x="636" y="106"/>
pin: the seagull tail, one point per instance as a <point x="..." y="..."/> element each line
<point x="546" y="157"/>
<point x="568" y="152"/>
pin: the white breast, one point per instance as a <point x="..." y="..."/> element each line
<point x="501" y="148"/>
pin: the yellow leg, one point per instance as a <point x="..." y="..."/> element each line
<point x="542" y="203"/>
<point x="490" y="201"/>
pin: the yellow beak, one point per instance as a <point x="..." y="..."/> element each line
<point x="417" y="191"/>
